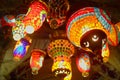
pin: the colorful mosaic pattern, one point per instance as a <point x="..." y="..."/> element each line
<point x="60" y="47"/>
<point x="36" y="15"/>
<point x="18" y="30"/>
<point x="87" y="19"/>
<point x="60" y="51"/>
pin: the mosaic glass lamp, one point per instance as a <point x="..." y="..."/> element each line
<point x="36" y="60"/>
<point x="88" y="19"/>
<point x="18" y="30"/>
<point x="91" y="29"/>
<point x="83" y="63"/>
<point x="35" y="16"/>
<point x="60" y="51"/>
<point x="21" y="48"/>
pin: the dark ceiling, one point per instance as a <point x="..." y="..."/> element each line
<point x="108" y="71"/>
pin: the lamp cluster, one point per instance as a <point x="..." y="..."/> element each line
<point x="89" y="28"/>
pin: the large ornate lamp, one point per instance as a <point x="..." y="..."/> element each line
<point x="36" y="60"/>
<point x="60" y="51"/>
<point x="90" y="28"/>
<point x="35" y="16"/>
<point x="21" y="48"/>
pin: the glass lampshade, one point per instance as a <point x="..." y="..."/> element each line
<point x="83" y="63"/>
<point x="21" y="48"/>
<point x="87" y="19"/>
<point x="60" y="51"/>
<point x="35" y="16"/>
<point x="36" y="60"/>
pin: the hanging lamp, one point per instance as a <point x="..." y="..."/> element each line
<point x="36" y="60"/>
<point x="60" y="51"/>
<point x="35" y="16"/>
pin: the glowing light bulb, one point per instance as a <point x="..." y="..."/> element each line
<point x="29" y="29"/>
<point x="16" y="37"/>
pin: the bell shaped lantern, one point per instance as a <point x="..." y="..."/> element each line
<point x="60" y="51"/>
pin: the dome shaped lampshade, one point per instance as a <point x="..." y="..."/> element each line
<point x="60" y="51"/>
<point x="21" y="48"/>
<point x="36" y="60"/>
<point x="35" y="16"/>
<point x="90" y="18"/>
<point x="83" y="64"/>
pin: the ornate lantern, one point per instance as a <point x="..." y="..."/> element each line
<point x="35" y="16"/>
<point x="36" y="60"/>
<point x="60" y="51"/>
<point x="83" y="63"/>
<point x="88" y="19"/>
<point x="57" y="12"/>
<point x="21" y="48"/>
<point x="18" y="30"/>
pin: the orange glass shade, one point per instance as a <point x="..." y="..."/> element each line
<point x="35" y="16"/>
<point x="88" y="19"/>
<point x="60" y="51"/>
<point x="83" y="64"/>
<point x="36" y="60"/>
